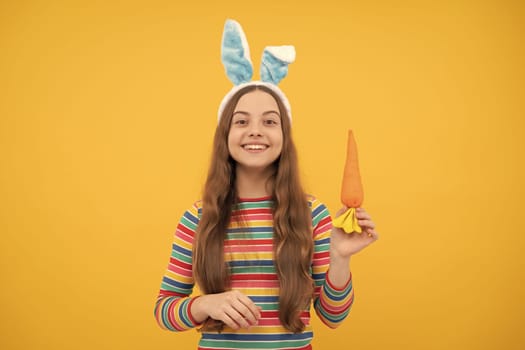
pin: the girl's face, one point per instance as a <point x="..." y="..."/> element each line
<point x="255" y="139"/>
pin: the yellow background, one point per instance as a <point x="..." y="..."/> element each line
<point x="107" y="110"/>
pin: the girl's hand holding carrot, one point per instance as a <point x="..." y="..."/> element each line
<point x="343" y="244"/>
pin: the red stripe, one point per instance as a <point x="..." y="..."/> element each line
<point x="171" y="318"/>
<point x="186" y="230"/>
<point x="321" y="255"/>
<point x="254" y="242"/>
<point x="254" y="277"/>
<point x="166" y="293"/>
<point x="180" y="263"/>
<point x="273" y="314"/>
<point x="307" y="347"/>
<point x="324" y="221"/>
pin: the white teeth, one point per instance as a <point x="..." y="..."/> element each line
<point x="255" y="147"/>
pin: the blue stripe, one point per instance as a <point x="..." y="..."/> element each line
<point x="183" y="313"/>
<point x="182" y="250"/>
<point x="323" y="241"/>
<point x="330" y="294"/>
<point x="250" y="263"/>
<point x="264" y="229"/>
<point x="191" y="218"/>
<point x="319" y="276"/>
<point x="318" y="210"/>
<point x="257" y="337"/>
<point x="165" y="319"/>
<point x="176" y="284"/>
<point x="264" y="299"/>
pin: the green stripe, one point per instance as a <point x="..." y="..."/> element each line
<point x="188" y="224"/>
<point x="321" y="247"/>
<point x="187" y="320"/>
<point x="165" y="321"/>
<point x="269" y="306"/>
<point x="253" y="344"/>
<point x="338" y="293"/>
<point x="251" y="235"/>
<point x="259" y="269"/>
<point x="171" y="288"/>
<point x="256" y="205"/>
<point x="179" y="256"/>
<point x="319" y="217"/>
<point x="331" y="318"/>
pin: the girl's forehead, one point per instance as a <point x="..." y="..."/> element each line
<point x="255" y="100"/>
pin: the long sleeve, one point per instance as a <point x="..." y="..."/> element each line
<point x="173" y="306"/>
<point x="331" y="304"/>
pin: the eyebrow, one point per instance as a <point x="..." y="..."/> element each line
<point x="264" y="113"/>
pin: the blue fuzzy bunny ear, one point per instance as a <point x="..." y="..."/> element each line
<point x="235" y="54"/>
<point x="275" y="61"/>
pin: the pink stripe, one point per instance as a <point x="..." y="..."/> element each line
<point x="322" y="262"/>
<point x="184" y="229"/>
<point x="254" y="250"/>
<point x="176" y="262"/>
<point x="249" y="242"/>
<point x="171" y="319"/>
<point x="254" y="284"/>
<point x="249" y="217"/>
<point x="269" y="322"/>
<point x="184" y="237"/>
<point x="180" y="271"/>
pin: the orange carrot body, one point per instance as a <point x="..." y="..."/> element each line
<point x="352" y="188"/>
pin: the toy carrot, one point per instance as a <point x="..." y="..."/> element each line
<point x="351" y="189"/>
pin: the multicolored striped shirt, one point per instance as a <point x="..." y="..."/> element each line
<point x="248" y="251"/>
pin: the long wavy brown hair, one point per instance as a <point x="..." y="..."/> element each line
<point x="293" y="242"/>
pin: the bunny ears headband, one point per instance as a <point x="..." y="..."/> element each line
<point x="235" y="56"/>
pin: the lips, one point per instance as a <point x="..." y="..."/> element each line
<point x="255" y="147"/>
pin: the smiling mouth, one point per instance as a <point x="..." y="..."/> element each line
<point x="255" y="147"/>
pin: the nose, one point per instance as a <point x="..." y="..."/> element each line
<point x="255" y="129"/>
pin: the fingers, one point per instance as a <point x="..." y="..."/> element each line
<point x="235" y="319"/>
<point x="362" y="214"/>
<point x="231" y="321"/>
<point x="366" y="224"/>
<point x="247" y="310"/>
<point x="366" y="234"/>
<point x="236" y="310"/>
<point x="365" y="221"/>
<point x="373" y="234"/>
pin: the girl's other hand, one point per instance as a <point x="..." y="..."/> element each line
<point x="233" y="308"/>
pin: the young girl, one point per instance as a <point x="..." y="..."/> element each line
<point x="260" y="249"/>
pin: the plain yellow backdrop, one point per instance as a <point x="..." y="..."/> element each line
<point x="108" y="108"/>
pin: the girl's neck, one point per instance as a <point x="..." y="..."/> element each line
<point x="253" y="183"/>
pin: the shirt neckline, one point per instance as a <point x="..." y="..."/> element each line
<point x="255" y="199"/>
